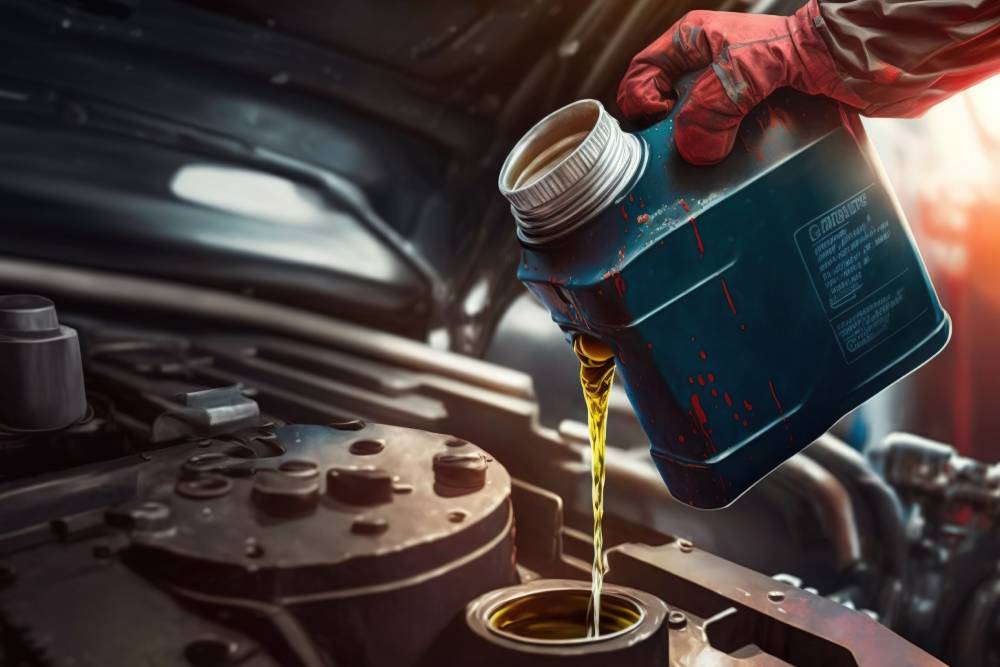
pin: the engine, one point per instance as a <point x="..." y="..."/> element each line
<point x="349" y="497"/>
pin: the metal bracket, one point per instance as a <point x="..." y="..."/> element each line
<point x="207" y="413"/>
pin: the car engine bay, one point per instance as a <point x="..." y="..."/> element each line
<point x="235" y="499"/>
<point x="262" y="253"/>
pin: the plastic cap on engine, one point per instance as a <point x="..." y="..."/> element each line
<point x="41" y="373"/>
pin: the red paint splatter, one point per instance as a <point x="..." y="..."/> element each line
<point x="624" y="213"/>
<point x="619" y="284"/>
<point x="745" y="423"/>
<point x="736" y="416"/>
<point x="711" y="377"/>
<point x="774" y="395"/>
<point x="743" y="327"/>
<point x="702" y="420"/>
<point x="715" y="392"/>
<point x="729" y="297"/>
<point x="643" y="219"/>
<point x="747" y="405"/>
<point x="701" y="353"/>
<point x="649" y="346"/>
<point x="701" y="380"/>
<point x="684" y="205"/>
<point x="642" y="204"/>
<point x="690" y="379"/>
<point x="728" y="399"/>
<point x="631" y="198"/>
<point x="697" y="237"/>
<point x="680" y="439"/>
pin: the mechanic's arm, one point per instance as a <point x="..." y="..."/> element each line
<point x="882" y="57"/>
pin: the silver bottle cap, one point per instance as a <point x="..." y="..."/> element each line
<point x="566" y="169"/>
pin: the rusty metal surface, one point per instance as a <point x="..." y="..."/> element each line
<point x="735" y="616"/>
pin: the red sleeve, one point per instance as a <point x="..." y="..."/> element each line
<point x="905" y="56"/>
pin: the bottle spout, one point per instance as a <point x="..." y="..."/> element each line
<point x="592" y="348"/>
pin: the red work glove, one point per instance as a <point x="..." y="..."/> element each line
<point x="745" y="58"/>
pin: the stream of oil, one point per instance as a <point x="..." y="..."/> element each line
<point x="597" y="373"/>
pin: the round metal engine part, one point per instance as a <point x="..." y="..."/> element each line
<point x="41" y="373"/>
<point x="374" y="572"/>
<point x="530" y="624"/>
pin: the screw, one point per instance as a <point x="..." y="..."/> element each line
<point x="685" y="545"/>
<point x="455" y="442"/>
<point x="677" y="620"/>
<point x="457" y="516"/>
<point x="775" y="596"/>
<point x="402" y="488"/>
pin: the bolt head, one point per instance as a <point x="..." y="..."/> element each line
<point x="369" y="526"/>
<point x="677" y="620"/>
<point x="281" y="494"/>
<point x="359" y="485"/>
<point x="460" y="470"/>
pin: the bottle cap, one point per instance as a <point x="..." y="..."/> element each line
<point x="566" y="169"/>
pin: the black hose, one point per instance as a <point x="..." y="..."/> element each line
<point x="885" y="509"/>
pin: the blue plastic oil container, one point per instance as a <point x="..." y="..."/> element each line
<point x="750" y="304"/>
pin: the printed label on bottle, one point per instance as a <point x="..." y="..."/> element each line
<point x="858" y="259"/>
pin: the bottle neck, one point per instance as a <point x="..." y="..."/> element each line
<point x="567" y="169"/>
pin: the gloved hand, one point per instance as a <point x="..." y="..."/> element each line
<point x="745" y="58"/>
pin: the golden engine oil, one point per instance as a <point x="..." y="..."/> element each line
<point x="749" y="304"/>
<point x="597" y="374"/>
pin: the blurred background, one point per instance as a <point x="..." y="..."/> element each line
<point x="945" y="168"/>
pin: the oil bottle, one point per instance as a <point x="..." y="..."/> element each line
<point x="749" y="304"/>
